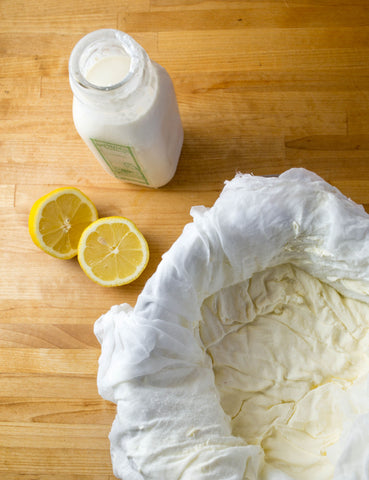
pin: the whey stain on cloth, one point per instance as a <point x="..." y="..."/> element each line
<point x="246" y="355"/>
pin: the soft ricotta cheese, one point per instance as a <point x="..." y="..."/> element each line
<point x="288" y="352"/>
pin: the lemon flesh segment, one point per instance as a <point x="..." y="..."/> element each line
<point x="112" y="251"/>
<point x="57" y="220"/>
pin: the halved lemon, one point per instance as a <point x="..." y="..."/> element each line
<point x="57" y="220"/>
<point x="112" y="251"/>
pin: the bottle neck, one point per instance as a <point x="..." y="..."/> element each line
<point x="108" y="68"/>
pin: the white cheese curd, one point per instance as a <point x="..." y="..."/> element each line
<point x="246" y="355"/>
<point x="289" y="354"/>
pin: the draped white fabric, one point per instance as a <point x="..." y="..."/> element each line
<point x="170" y="423"/>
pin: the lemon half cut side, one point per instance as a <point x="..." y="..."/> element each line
<point x="112" y="251"/>
<point x="57" y="220"/>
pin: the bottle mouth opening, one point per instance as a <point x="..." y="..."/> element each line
<point x="105" y="68"/>
<point x="105" y="60"/>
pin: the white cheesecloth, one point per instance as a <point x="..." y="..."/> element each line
<point x="170" y="424"/>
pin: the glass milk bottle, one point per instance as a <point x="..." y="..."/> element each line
<point x="125" y="108"/>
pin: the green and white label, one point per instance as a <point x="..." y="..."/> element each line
<point x="121" y="161"/>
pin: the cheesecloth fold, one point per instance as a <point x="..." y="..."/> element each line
<point x="170" y="424"/>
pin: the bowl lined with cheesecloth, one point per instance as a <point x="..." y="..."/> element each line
<point x="246" y="355"/>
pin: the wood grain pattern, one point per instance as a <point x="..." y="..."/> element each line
<point x="262" y="86"/>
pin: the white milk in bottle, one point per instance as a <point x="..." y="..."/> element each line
<point x="125" y="108"/>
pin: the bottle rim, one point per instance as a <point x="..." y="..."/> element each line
<point x="93" y="45"/>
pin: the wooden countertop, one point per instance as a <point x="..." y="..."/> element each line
<point x="262" y="86"/>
